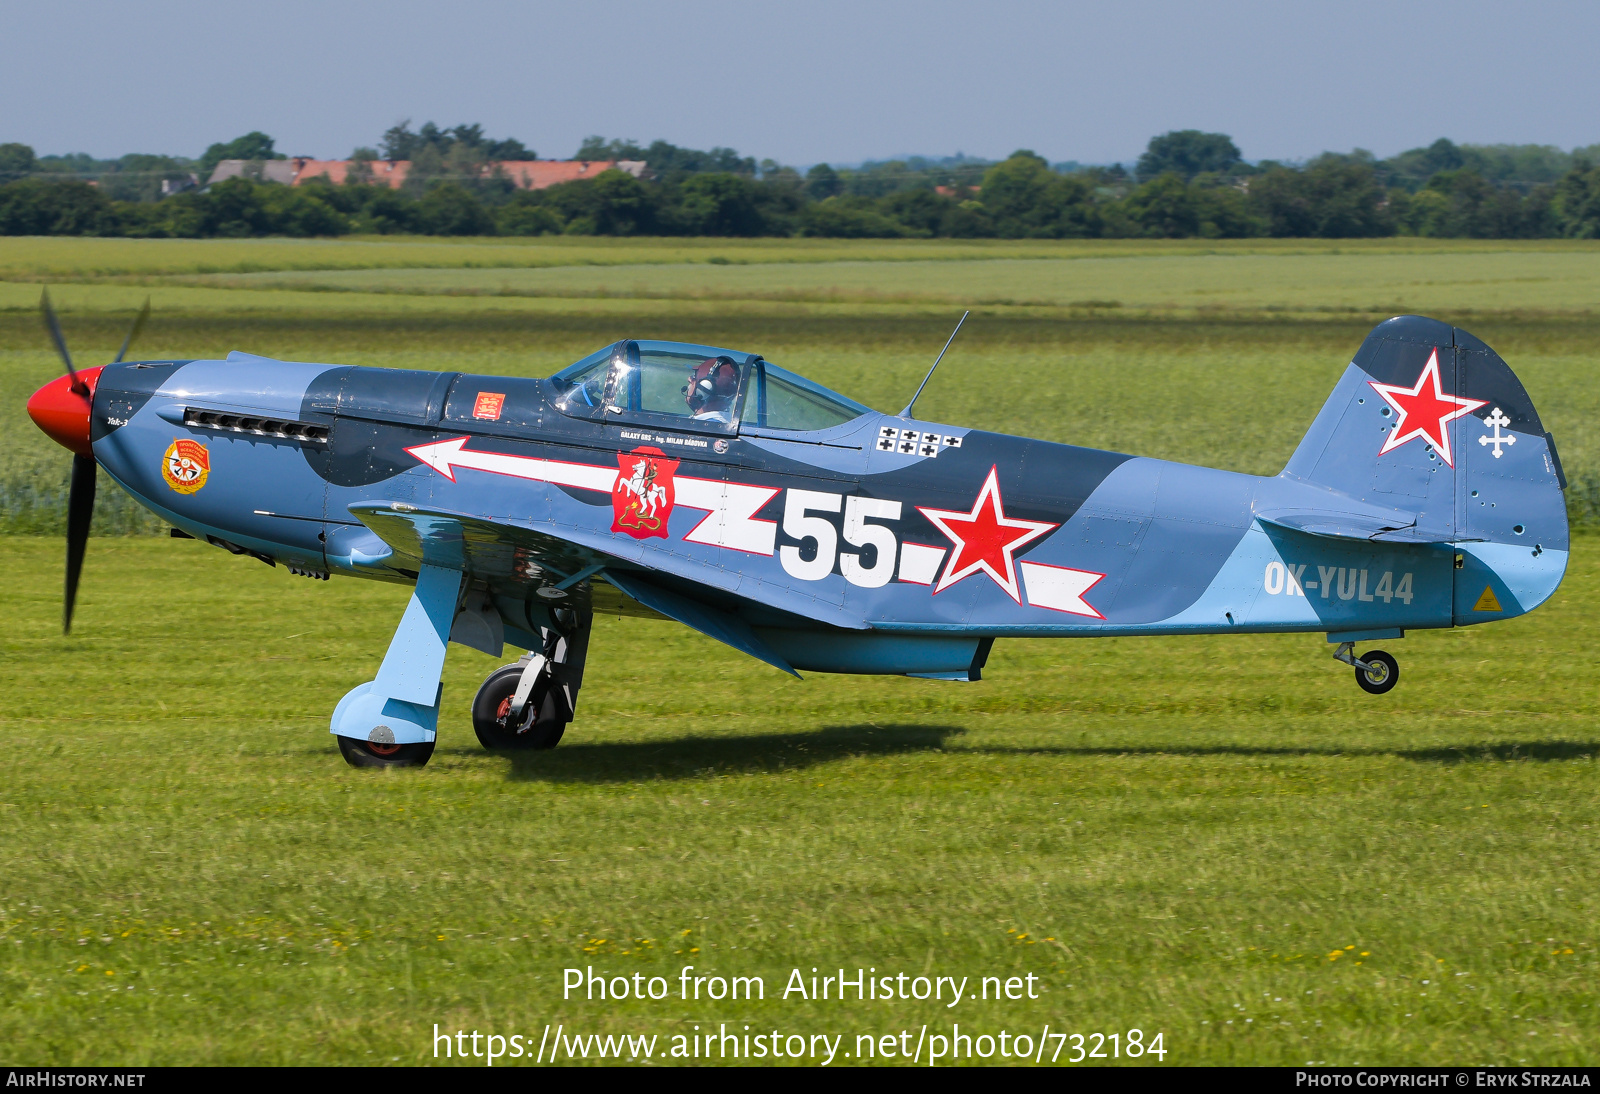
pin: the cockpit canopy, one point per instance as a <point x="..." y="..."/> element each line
<point x="676" y="385"/>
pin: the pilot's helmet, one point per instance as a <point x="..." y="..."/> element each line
<point x="712" y="383"/>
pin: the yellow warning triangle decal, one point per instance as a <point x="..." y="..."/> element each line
<point x="1487" y="602"/>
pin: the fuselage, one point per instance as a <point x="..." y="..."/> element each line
<point x="943" y="535"/>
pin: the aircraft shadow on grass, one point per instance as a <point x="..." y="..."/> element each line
<point x="692" y="757"/>
<point x="1506" y="750"/>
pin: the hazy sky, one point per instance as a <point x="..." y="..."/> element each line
<point x="801" y="82"/>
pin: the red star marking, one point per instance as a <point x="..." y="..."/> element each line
<point x="1424" y="411"/>
<point x="985" y="539"/>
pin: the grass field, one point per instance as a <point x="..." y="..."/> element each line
<point x="1174" y="835"/>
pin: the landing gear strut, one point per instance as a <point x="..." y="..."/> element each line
<point x="528" y="705"/>
<point x="1376" y="671"/>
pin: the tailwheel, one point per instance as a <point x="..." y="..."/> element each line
<point x="1381" y="674"/>
<point x="376" y="754"/>
<point x="539" y="724"/>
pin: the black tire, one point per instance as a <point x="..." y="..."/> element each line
<point x="491" y="713"/>
<point x="1385" y="674"/>
<point x="366" y="754"/>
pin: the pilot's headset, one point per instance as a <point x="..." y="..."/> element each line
<point x="713" y="378"/>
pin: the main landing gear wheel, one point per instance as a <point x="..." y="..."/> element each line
<point x="1381" y="674"/>
<point x="371" y="754"/>
<point x="540" y="725"/>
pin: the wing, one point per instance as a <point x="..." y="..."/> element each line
<point x="519" y="562"/>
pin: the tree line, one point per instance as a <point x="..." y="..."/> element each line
<point x="1187" y="184"/>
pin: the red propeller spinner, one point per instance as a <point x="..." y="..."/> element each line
<point x="61" y="409"/>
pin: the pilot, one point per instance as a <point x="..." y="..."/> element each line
<point x="711" y="390"/>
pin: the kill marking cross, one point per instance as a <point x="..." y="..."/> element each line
<point x="1498" y="419"/>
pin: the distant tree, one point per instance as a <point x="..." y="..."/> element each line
<point x="1014" y="192"/>
<point x="921" y="210"/>
<point x="359" y="172"/>
<point x="1225" y="211"/>
<point x="297" y="211"/>
<point x="427" y="168"/>
<point x="508" y="149"/>
<point x="34" y="207"/>
<point x="719" y="204"/>
<point x="399" y="142"/>
<point x="848" y="218"/>
<point x="621" y="204"/>
<point x="1541" y="216"/>
<point x="1474" y="208"/>
<point x="449" y="209"/>
<point x="968" y="220"/>
<point x="1167" y="207"/>
<point x="1335" y="197"/>
<point x="384" y="212"/>
<point x="74" y="163"/>
<point x="1442" y="155"/>
<point x="613" y="203"/>
<point x="16" y="161"/>
<point x="598" y="148"/>
<point x="526" y="214"/>
<point x="254" y="145"/>
<point x="773" y="171"/>
<point x="670" y="163"/>
<point x="1024" y="198"/>
<point x="876" y="180"/>
<point x="822" y="182"/>
<point x="1521" y="166"/>
<point x="233" y="207"/>
<point x="1187" y="153"/>
<point x="1413" y="168"/>
<point x="1577" y="201"/>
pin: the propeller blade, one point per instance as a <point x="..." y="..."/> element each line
<point x="138" y="325"/>
<point x="80" y="507"/>
<point x="54" y="327"/>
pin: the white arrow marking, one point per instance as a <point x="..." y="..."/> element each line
<point x="445" y="456"/>
<point x="1059" y="588"/>
<point x="732" y="505"/>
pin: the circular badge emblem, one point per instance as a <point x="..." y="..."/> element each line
<point x="720" y="446"/>
<point x="186" y="465"/>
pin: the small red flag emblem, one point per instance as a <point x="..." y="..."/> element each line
<point x="489" y="405"/>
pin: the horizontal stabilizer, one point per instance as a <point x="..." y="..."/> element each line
<point x="1332" y="524"/>
<point x="708" y="621"/>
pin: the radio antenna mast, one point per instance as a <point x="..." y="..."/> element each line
<point x="906" y="413"/>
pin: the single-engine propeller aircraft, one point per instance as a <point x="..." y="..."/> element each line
<point x="715" y="488"/>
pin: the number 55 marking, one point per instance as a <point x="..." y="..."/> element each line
<point x="859" y="533"/>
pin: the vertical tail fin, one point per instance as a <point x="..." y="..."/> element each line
<point x="1429" y="421"/>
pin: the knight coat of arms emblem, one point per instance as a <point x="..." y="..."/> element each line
<point x="643" y="498"/>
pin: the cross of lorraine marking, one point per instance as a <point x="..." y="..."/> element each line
<point x="1498" y="419"/>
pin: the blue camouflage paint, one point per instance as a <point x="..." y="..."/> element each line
<point x="837" y="548"/>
